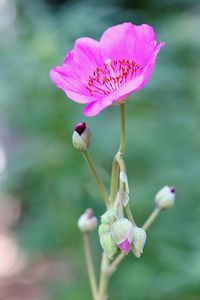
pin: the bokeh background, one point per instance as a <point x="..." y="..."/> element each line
<point x="45" y="184"/>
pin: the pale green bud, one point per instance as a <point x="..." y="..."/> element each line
<point x="139" y="239"/>
<point x="108" y="245"/>
<point x="103" y="228"/>
<point x="108" y="217"/>
<point x="165" y="198"/>
<point x="87" y="221"/>
<point x="81" y="137"/>
<point x="121" y="230"/>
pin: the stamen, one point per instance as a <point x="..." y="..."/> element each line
<point x="113" y="74"/>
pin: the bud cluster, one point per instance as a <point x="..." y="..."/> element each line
<point x="120" y="233"/>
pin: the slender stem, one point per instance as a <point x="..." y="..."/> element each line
<point x="104" y="278"/>
<point x="97" y="178"/>
<point x="115" y="167"/>
<point x="151" y="218"/>
<point x="129" y="213"/>
<point x="114" y="180"/>
<point x="90" y="266"/>
<point x="123" y="128"/>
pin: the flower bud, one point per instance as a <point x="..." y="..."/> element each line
<point x="122" y="234"/>
<point x="87" y="221"/>
<point x="108" y="244"/>
<point x="139" y="239"/>
<point x="108" y="217"/>
<point x="81" y="136"/>
<point x="103" y="228"/>
<point x="165" y="198"/>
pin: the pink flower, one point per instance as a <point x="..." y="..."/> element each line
<point x="105" y="72"/>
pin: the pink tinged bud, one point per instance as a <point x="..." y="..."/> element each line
<point x="81" y="136"/>
<point x="139" y="239"/>
<point x="125" y="246"/>
<point x="122" y="234"/>
<point x="165" y="198"/>
<point x="87" y="222"/>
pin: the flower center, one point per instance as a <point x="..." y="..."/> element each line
<point x="113" y="74"/>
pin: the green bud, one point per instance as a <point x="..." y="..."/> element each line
<point x="103" y="228"/>
<point x="81" y="137"/>
<point x="139" y="239"/>
<point x="108" y="245"/>
<point x="165" y="198"/>
<point x="108" y="217"/>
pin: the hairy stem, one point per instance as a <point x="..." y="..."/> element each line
<point x="90" y="266"/>
<point x="97" y="178"/>
<point x="151" y="218"/>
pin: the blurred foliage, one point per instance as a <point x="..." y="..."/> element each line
<point x="163" y="123"/>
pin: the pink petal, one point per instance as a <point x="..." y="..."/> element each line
<point x="84" y="75"/>
<point x="72" y="76"/>
<point x="129" y="41"/>
<point x="95" y="107"/>
<point x="139" y="81"/>
<point x="125" y="246"/>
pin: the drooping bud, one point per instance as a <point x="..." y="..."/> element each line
<point x="139" y="239"/>
<point x="87" y="221"/>
<point x="108" y="244"/>
<point x="103" y="228"/>
<point x="81" y="136"/>
<point x="108" y="217"/>
<point x="165" y="198"/>
<point x="122" y="234"/>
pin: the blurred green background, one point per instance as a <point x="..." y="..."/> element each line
<point x="48" y="179"/>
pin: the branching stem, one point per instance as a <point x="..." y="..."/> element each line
<point x="151" y="218"/>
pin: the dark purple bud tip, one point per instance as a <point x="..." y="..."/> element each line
<point x="80" y="127"/>
<point x="173" y="189"/>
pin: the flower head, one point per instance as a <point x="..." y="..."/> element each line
<point x="105" y="72"/>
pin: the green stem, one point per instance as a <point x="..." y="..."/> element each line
<point x="129" y="214"/>
<point x="115" y="167"/>
<point x="114" y="180"/>
<point x="106" y="272"/>
<point x="97" y="178"/>
<point x="151" y="218"/>
<point x="90" y="267"/>
<point x="123" y="129"/>
<point x="113" y="266"/>
<point x="104" y="278"/>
